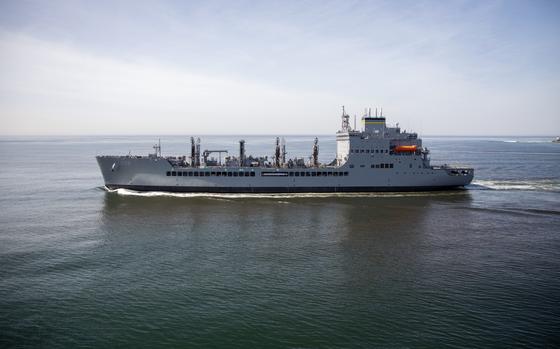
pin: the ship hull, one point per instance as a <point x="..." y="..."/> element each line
<point x="158" y="174"/>
<point x="278" y="190"/>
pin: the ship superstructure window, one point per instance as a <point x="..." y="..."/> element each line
<point x="265" y="173"/>
<point x="382" y="165"/>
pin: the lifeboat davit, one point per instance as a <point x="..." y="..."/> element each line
<point x="405" y="148"/>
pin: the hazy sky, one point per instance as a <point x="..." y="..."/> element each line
<point x="235" y="67"/>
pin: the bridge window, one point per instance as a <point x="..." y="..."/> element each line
<point x="252" y="174"/>
<point x="173" y="173"/>
<point x="235" y="174"/>
<point x="168" y="173"/>
<point x="346" y="173"/>
<point x="179" y="173"/>
<point x="391" y="165"/>
<point x="351" y="166"/>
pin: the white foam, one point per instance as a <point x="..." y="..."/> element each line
<point x="542" y="184"/>
<point x="526" y="141"/>
<point x="128" y="192"/>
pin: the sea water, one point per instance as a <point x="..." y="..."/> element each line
<point x="81" y="266"/>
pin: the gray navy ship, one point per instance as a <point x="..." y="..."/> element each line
<point x="375" y="158"/>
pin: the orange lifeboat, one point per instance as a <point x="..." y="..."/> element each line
<point x="405" y="149"/>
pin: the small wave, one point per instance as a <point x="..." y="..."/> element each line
<point x="128" y="192"/>
<point x="527" y="141"/>
<point x="540" y="185"/>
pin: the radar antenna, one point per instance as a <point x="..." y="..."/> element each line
<point x="157" y="148"/>
<point x="345" y="121"/>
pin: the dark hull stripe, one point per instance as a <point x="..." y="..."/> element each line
<point x="184" y="189"/>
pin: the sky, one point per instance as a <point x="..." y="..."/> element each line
<point x="278" y="67"/>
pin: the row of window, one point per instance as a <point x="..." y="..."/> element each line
<point x="382" y="166"/>
<point x="304" y="173"/>
<point x="368" y="151"/>
<point x="210" y="173"/>
<point x="376" y="166"/>
<point x="252" y="174"/>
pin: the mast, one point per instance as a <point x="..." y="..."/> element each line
<point x="345" y="121"/>
<point x="283" y="152"/>
<point x="277" y="153"/>
<point x="193" y="152"/>
<point x="197" y="152"/>
<point x="315" y="153"/>
<point x="241" y="152"/>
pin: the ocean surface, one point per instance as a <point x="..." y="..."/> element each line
<point x="84" y="267"/>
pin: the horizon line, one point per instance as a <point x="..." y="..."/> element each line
<point x="250" y="135"/>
